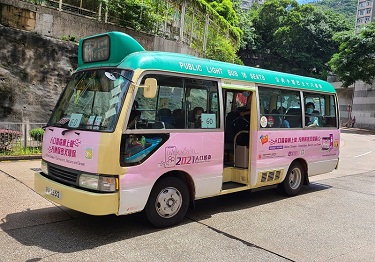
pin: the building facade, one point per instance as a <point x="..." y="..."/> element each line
<point x="365" y="13"/>
<point x="246" y="4"/>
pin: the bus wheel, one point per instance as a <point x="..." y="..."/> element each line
<point x="293" y="181"/>
<point x="168" y="202"/>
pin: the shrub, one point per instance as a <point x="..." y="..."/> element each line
<point x="37" y="134"/>
<point x="69" y="38"/>
<point x="6" y="138"/>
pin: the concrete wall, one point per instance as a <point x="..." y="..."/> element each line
<point x="35" y="63"/>
<point x="345" y="102"/>
<point x="364" y="105"/>
<point x="345" y="97"/>
<point x="53" y="23"/>
<point x="359" y="99"/>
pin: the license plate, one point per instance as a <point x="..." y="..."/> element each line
<point x="53" y="192"/>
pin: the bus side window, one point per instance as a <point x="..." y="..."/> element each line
<point x="135" y="115"/>
<point x="329" y="116"/>
<point x="284" y="106"/>
<point x="203" y="113"/>
<point x="160" y="112"/>
<point x="321" y="108"/>
<point x="294" y="117"/>
<point x="180" y="103"/>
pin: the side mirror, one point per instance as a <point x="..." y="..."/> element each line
<point x="150" y="87"/>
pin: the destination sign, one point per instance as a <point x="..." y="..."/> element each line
<point x="96" y="49"/>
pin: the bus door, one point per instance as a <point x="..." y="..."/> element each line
<point x="237" y="147"/>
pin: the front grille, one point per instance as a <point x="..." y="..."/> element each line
<point x="63" y="174"/>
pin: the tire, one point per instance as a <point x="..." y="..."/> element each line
<point x="168" y="202"/>
<point x="294" y="179"/>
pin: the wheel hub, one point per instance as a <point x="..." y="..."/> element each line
<point x="168" y="202"/>
<point x="295" y="178"/>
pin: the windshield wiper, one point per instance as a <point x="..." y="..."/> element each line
<point x="47" y="126"/>
<point x="69" y="130"/>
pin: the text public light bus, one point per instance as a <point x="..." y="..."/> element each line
<point x="142" y="130"/>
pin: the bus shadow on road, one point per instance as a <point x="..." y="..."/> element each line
<point x="250" y="199"/>
<point x="67" y="234"/>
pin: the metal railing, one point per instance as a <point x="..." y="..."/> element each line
<point x="69" y="8"/>
<point x="20" y="138"/>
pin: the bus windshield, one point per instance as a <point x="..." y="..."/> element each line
<point x="92" y="100"/>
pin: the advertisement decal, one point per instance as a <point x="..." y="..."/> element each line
<point x="310" y="144"/>
<point x="74" y="149"/>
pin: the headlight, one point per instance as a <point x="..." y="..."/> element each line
<point x="44" y="167"/>
<point x="100" y="183"/>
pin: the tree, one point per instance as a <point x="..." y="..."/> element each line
<point x="347" y="8"/>
<point x="293" y="38"/>
<point x="244" y="22"/>
<point x="356" y="57"/>
<point x="136" y="14"/>
<point x="225" y="9"/>
<point x="222" y="49"/>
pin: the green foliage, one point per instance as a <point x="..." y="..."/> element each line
<point x="12" y="144"/>
<point x="356" y="57"/>
<point x="345" y="8"/>
<point x="293" y="38"/>
<point x="225" y="9"/>
<point x="86" y="4"/>
<point x="143" y="15"/>
<point x="222" y="49"/>
<point x="247" y="40"/>
<point x="37" y="134"/>
<point x="231" y="25"/>
<point x="69" y="38"/>
<point x="19" y="150"/>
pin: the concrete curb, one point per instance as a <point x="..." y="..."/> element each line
<point x="354" y="130"/>
<point x="17" y="158"/>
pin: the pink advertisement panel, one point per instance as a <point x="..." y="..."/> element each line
<point x="199" y="154"/>
<point x="279" y="148"/>
<point x="74" y="149"/>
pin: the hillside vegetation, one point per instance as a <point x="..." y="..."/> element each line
<point x="348" y="8"/>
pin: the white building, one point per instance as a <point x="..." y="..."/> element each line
<point x="246" y="4"/>
<point x="365" y="13"/>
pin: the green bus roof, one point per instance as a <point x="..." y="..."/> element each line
<point x="129" y="54"/>
<point x="119" y="46"/>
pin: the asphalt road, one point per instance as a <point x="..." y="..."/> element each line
<point x="332" y="220"/>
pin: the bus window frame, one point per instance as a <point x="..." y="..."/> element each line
<point x="303" y="113"/>
<point x="259" y="112"/>
<point x="335" y="100"/>
<point x="137" y="79"/>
